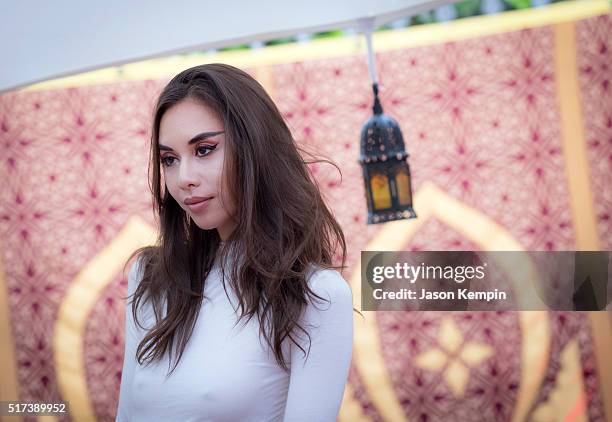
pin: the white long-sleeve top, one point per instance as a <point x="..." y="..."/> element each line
<point x="227" y="373"/>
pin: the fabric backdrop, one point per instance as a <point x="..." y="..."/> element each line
<point x="504" y="155"/>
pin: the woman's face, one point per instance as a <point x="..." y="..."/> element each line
<point x="192" y="151"/>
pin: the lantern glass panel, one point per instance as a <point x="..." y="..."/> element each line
<point x="381" y="195"/>
<point x="402" y="180"/>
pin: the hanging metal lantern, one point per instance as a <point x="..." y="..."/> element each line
<point x="386" y="172"/>
<point x="384" y="161"/>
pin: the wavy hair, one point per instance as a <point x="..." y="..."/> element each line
<point x="284" y="226"/>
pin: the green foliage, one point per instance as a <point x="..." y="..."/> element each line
<point x="518" y="4"/>
<point x="468" y="8"/>
<point x="426" y="17"/>
<point x="280" y="41"/>
<point x="328" y="34"/>
<point x="236" y="47"/>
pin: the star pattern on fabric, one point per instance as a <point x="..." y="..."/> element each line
<point x="454" y="356"/>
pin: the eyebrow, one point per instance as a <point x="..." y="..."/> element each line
<point x="198" y="137"/>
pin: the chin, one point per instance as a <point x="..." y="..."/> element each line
<point x="203" y="223"/>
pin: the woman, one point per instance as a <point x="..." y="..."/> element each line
<point x="239" y="293"/>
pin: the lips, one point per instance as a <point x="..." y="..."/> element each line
<point x="197" y="204"/>
<point x="196" y="199"/>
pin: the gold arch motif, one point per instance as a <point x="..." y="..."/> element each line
<point x="573" y="137"/>
<point x="489" y="236"/>
<point x="76" y="308"/>
<point x="567" y="401"/>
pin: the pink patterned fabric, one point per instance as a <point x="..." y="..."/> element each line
<point x="480" y="120"/>
<point x="595" y="67"/>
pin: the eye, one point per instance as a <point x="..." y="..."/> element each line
<point x="201" y="151"/>
<point x="164" y="161"/>
<point x="206" y="148"/>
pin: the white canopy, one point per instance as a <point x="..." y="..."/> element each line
<point x="41" y="40"/>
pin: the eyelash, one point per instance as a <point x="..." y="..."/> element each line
<point x="209" y="148"/>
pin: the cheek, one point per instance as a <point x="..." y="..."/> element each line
<point x="171" y="184"/>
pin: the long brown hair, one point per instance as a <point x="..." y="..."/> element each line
<point x="284" y="226"/>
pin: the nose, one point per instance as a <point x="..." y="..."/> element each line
<point x="188" y="176"/>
